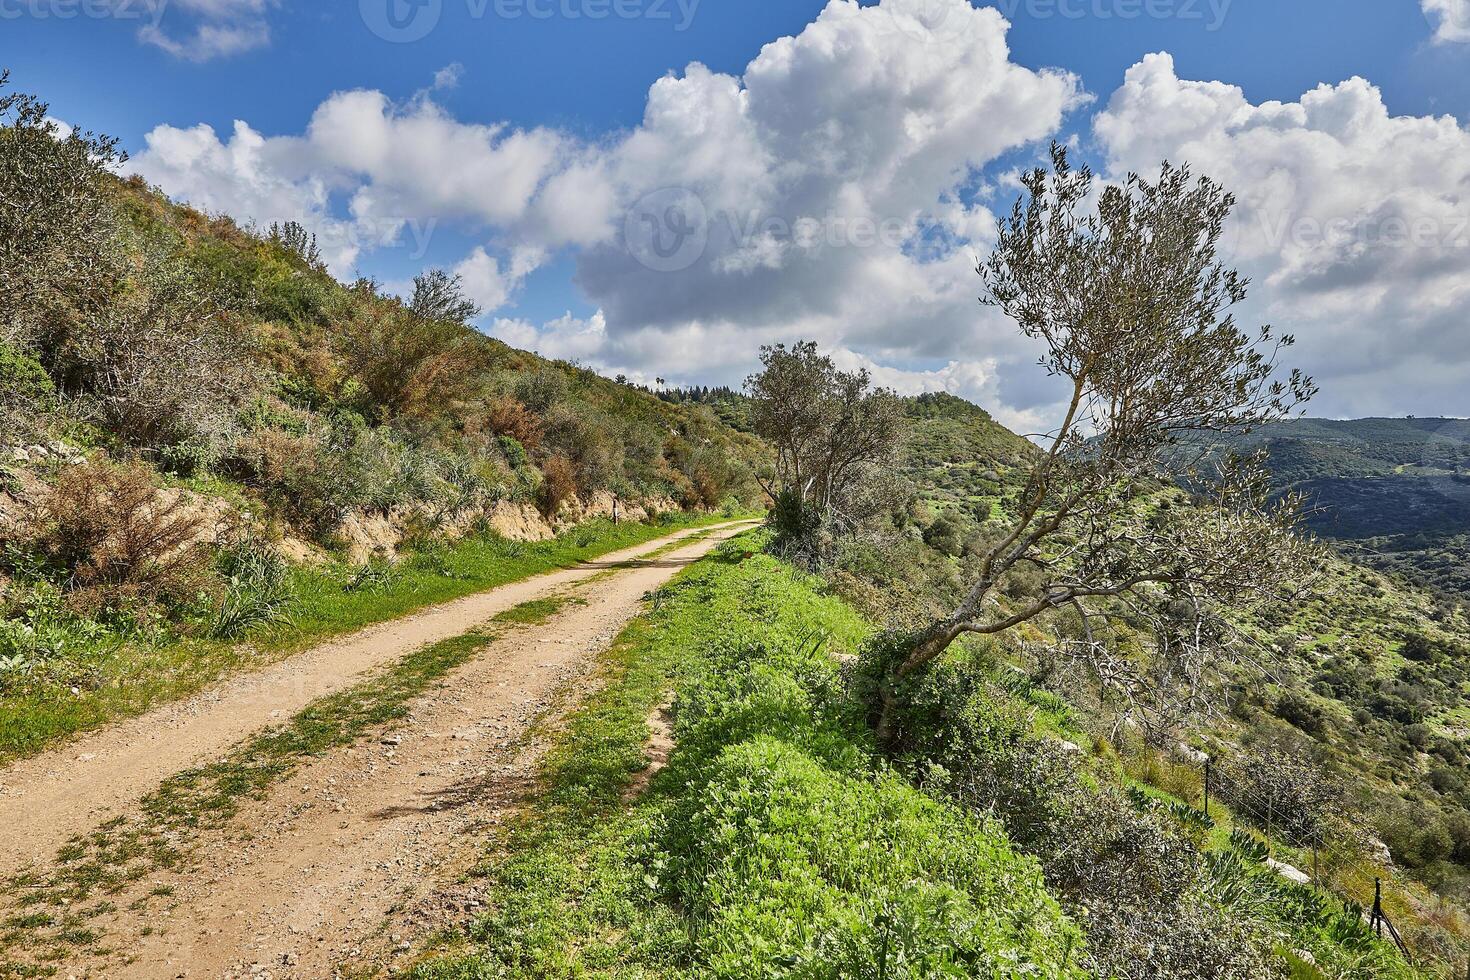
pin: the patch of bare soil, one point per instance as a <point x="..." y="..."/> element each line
<point x="343" y="862"/>
<point x="660" y="746"/>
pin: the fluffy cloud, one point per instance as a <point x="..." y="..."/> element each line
<point x="402" y="169"/>
<point x="818" y="193"/>
<point x="566" y="338"/>
<point x="1354" y="222"/>
<point x="211" y="28"/>
<point x="491" y="283"/>
<point x="1451" y="19"/>
<point x="832" y="182"/>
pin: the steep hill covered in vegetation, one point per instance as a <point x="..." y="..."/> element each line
<point x="185" y="404"/>
<point x="1366" y="683"/>
<point x="1393" y="493"/>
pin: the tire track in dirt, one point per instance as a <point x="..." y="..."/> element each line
<point x="49" y="798"/>
<point x="303" y="883"/>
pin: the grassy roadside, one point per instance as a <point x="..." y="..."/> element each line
<point x="772" y="842"/>
<point x="126" y="680"/>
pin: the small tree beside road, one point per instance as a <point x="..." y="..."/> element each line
<point x="831" y="431"/>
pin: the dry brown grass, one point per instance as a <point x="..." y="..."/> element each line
<point x="558" y="485"/>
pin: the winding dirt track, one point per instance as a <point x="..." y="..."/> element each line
<point x="49" y="798"/>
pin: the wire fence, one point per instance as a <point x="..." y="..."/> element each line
<point x="1262" y="811"/>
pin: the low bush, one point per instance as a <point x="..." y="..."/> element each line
<point x="795" y="870"/>
<point x="1131" y="869"/>
<point x="558" y="484"/>
<point x="43" y="642"/>
<point x="509" y="419"/>
<point x="1279" y="789"/>
<point x="25" y="391"/>
<point x="117" y="544"/>
<point x="257" y="589"/>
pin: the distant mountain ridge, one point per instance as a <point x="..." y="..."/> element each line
<point x="1395" y="493"/>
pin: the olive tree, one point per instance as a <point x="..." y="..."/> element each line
<point x="1130" y="304"/>
<point x="832" y="433"/>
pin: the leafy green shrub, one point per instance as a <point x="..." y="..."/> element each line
<point x="158" y="364"/>
<point x="946" y="535"/>
<point x="515" y="452"/>
<point x="23" y="381"/>
<point x="795" y="870"/>
<point x="26" y="395"/>
<point x="1415" y="836"/>
<point x="792" y="520"/>
<point x="44" y="642"/>
<point x="1300" y="711"/>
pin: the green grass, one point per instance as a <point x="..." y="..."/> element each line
<point x="126" y="680"/>
<point x="45" y="911"/>
<point x="537" y="611"/>
<point x="708" y="873"/>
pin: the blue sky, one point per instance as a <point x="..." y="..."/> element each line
<point x="582" y="82"/>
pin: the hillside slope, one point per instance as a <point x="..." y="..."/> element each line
<point x="1393" y="493"/>
<point x="1370" y="679"/>
<point x="185" y="405"/>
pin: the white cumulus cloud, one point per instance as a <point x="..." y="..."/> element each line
<point x="1354" y="222"/>
<point x="401" y="168"/>
<point x="1451" y="19"/>
<point x="489" y="281"/>
<point x="823" y="183"/>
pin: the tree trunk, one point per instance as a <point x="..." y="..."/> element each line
<point x="929" y="646"/>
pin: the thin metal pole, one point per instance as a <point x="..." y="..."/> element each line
<point x="1207" y="792"/>
<point x="1378" y="906"/>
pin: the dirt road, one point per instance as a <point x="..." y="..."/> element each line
<point x="48" y="798"/>
<point x="319" y="872"/>
<point x="305" y="877"/>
